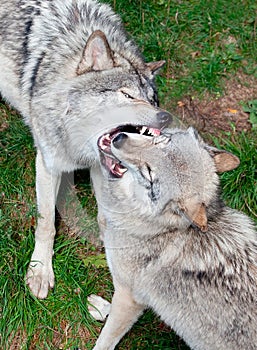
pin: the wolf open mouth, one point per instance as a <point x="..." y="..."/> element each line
<point x="112" y="164"/>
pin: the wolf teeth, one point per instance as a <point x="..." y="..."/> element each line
<point x="149" y="131"/>
<point x="102" y="144"/>
<point x="143" y="130"/>
<point x="122" y="170"/>
<point x="154" y="132"/>
<point x="117" y="169"/>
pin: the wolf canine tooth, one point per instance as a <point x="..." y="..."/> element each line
<point x="123" y="170"/>
<point x="143" y="130"/>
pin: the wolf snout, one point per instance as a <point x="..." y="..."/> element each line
<point x="119" y="140"/>
<point x="164" y="118"/>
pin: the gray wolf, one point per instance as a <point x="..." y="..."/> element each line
<point x="70" y="69"/>
<point x="171" y="243"/>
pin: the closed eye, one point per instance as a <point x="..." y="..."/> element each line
<point x="127" y="95"/>
<point x="151" y="184"/>
<point x="146" y="172"/>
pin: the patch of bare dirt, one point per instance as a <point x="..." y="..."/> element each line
<point x="224" y="113"/>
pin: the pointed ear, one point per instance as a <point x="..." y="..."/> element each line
<point x="197" y="215"/>
<point x="155" y="66"/>
<point x="97" y="54"/>
<point x="224" y="160"/>
<point x="200" y="218"/>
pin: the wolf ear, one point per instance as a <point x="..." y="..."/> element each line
<point x="155" y="66"/>
<point x="224" y="160"/>
<point x="197" y="215"/>
<point x="97" y="54"/>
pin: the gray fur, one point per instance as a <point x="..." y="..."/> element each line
<point x="172" y="245"/>
<point x="70" y="69"/>
<point x="42" y="43"/>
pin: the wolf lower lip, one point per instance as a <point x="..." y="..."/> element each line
<point x="113" y="165"/>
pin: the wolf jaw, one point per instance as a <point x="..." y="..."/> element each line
<point x="108" y="160"/>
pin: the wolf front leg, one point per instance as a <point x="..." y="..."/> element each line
<point x="124" y="313"/>
<point x="40" y="275"/>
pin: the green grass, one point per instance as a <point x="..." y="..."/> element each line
<point x="251" y="108"/>
<point x="204" y="43"/>
<point x="240" y="185"/>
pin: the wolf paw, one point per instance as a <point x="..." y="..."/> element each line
<point x="40" y="278"/>
<point x="99" y="308"/>
<point x="40" y="275"/>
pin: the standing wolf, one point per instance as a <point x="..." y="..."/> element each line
<point x="69" y="68"/>
<point x="171" y="243"/>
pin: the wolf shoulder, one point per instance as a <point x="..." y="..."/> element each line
<point x="208" y="280"/>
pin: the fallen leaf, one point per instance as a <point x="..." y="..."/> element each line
<point x="233" y="111"/>
<point x="181" y="104"/>
<point x="195" y="54"/>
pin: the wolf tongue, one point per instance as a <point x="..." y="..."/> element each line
<point x="155" y="132"/>
<point x="149" y="131"/>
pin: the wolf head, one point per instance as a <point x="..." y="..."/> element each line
<point x="115" y="90"/>
<point x="169" y="180"/>
<point x="103" y="91"/>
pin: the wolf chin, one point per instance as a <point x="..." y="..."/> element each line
<point x="70" y="69"/>
<point x="171" y="243"/>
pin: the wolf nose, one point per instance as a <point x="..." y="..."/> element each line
<point x="164" y="118"/>
<point x="119" y="140"/>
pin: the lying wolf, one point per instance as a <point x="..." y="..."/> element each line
<point x="170" y="242"/>
<point x="69" y="68"/>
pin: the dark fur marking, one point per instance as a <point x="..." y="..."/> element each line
<point x="26" y="54"/>
<point x="33" y="77"/>
<point x="155" y="101"/>
<point x="204" y="277"/>
<point x="148" y="82"/>
<point x="25" y="42"/>
<point x="30" y="13"/>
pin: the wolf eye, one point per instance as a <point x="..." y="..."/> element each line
<point x="127" y="95"/>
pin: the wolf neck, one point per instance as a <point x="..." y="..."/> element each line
<point x="215" y="251"/>
<point x="125" y="234"/>
<point x="120" y="239"/>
